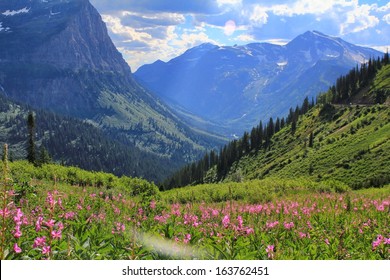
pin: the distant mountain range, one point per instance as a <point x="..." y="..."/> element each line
<point x="238" y="86"/>
<point x="57" y="56"/>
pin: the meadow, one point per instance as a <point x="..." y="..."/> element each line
<point x="60" y="213"/>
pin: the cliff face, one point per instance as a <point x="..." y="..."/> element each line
<point x="53" y="52"/>
<point x="65" y="34"/>
<point x="83" y="44"/>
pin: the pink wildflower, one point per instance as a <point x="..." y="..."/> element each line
<point x="214" y="212"/>
<point x="46" y="250"/>
<point x="56" y="234"/>
<point x="70" y="215"/>
<point x="240" y="222"/>
<point x="50" y="200"/>
<point x="17" y="249"/>
<point x="380" y="208"/>
<point x="187" y="238"/>
<point x="50" y="223"/>
<point x="289" y="225"/>
<point x="119" y="228"/>
<point x="153" y="204"/>
<point x="60" y="226"/>
<point x="4" y="212"/>
<point x="226" y="221"/>
<point x="302" y="235"/>
<point x="38" y="223"/>
<point x="270" y="250"/>
<point x="39" y="242"/>
<point x="270" y="225"/>
<point x="377" y="242"/>
<point x="17" y="233"/>
<point x="175" y="210"/>
<point x="327" y="241"/>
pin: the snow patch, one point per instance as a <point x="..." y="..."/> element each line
<point x="282" y="64"/>
<point x="25" y="10"/>
<point x="6" y="29"/>
<point x="53" y="14"/>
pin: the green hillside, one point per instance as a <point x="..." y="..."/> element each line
<point x="354" y="147"/>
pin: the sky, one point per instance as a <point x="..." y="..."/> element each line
<point x="147" y="30"/>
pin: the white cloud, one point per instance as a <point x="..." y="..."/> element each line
<point x="115" y="26"/>
<point x="138" y="46"/>
<point x="358" y="19"/>
<point x="386" y="18"/>
<point x="258" y="16"/>
<point x="245" y="38"/>
<point x="229" y="2"/>
<point x="303" y="7"/>
<point x="383" y="8"/>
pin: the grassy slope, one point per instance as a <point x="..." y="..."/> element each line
<point x="351" y="144"/>
<point x="352" y="148"/>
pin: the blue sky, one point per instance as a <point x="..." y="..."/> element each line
<point x="147" y="30"/>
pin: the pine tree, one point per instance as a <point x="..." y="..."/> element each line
<point x="311" y="140"/>
<point x="31" y="157"/>
<point x="293" y="126"/>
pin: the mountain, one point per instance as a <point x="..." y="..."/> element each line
<point x="344" y="137"/>
<point x="57" y="56"/>
<point x="239" y="85"/>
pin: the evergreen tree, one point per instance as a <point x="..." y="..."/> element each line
<point x="277" y="125"/>
<point x="31" y="157"/>
<point x="305" y="106"/>
<point x="44" y="156"/>
<point x="245" y="143"/>
<point x="311" y="140"/>
<point x="282" y="123"/>
<point x="293" y="126"/>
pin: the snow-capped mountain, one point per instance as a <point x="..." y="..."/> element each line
<point x="241" y="85"/>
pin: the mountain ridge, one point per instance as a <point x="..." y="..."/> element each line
<point x="232" y="84"/>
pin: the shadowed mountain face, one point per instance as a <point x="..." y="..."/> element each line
<point x="237" y="86"/>
<point x="56" y="55"/>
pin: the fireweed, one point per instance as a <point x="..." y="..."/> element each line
<point x="86" y="224"/>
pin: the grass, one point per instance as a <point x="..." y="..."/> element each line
<point x="125" y="218"/>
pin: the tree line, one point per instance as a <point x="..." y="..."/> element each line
<point x="349" y="85"/>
